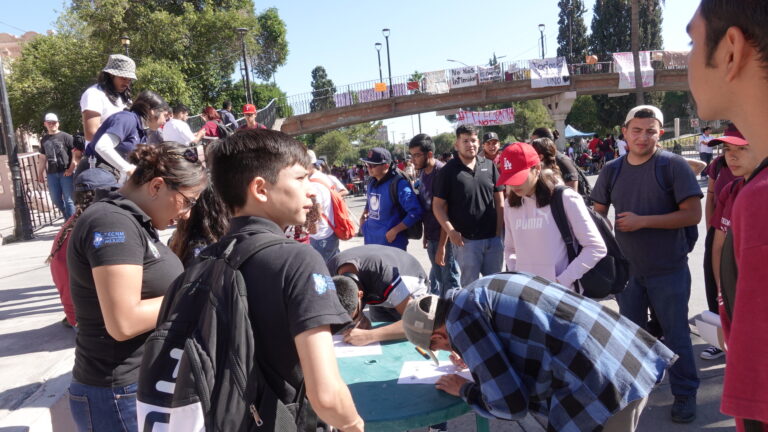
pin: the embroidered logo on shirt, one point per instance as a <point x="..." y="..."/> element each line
<point x="323" y="283"/>
<point x="110" y="237"/>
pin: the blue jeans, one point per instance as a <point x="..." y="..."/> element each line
<point x="328" y="247"/>
<point x="668" y="295"/>
<point x="103" y="408"/>
<point x="478" y="257"/>
<point x="442" y="278"/>
<point x="61" y="189"/>
<point x="706" y="158"/>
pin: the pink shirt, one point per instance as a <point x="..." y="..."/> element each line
<point x="533" y="244"/>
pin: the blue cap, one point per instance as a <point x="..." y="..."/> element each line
<point x="377" y="156"/>
<point x="94" y="178"/>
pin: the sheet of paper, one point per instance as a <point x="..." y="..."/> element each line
<point x="425" y="372"/>
<point x="346" y="350"/>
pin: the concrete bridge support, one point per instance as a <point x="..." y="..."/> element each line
<point x="559" y="106"/>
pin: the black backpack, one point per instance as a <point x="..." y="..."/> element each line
<point x="223" y="130"/>
<point x="55" y="155"/>
<point x="610" y="274"/>
<point x="415" y="231"/>
<point x="201" y="364"/>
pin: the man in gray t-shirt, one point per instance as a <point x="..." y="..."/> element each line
<point x="655" y="196"/>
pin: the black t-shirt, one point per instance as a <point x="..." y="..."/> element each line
<point x="567" y="168"/>
<point x="469" y="194"/>
<point x="289" y="292"/>
<point x="113" y="232"/>
<point x="57" y="149"/>
<point x="388" y="275"/>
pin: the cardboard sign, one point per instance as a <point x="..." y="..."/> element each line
<point x="549" y="72"/>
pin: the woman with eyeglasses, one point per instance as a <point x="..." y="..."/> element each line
<point x="119" y="270"/>
<point x="119" y="135"/>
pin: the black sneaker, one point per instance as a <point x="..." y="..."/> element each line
<point x="712" y="353"/>
<point x="684" y="409"/>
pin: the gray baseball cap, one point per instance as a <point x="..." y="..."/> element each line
<point x="419" y="322"/>
<point x="120" y="65"/>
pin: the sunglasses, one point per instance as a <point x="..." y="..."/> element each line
<point x="189" y="155"/>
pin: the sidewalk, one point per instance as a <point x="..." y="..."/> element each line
<point x="37" y="352"/>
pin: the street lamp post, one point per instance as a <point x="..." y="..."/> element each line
<point x="385" y="32"/>
<point x="248" y="96"/>
<point x="541" y="30"/>
<point x="378" y="54"/>
<point x="125" y="41"/>
<point x="456" y="61"/>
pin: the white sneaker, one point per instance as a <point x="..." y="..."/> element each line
<point x="712" y="353"/>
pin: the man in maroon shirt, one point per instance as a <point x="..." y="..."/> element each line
<point x="727" y="76"/>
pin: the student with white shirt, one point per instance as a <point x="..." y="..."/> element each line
<point x="177" y="129"/>
<point x="621" y="145"/>
<point x="532" y="242"/>
<point x="110" y="94"/>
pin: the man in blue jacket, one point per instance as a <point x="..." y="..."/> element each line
<point x="385" y="219"/>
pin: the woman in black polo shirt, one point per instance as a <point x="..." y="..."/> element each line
<point x="119" y="272"/>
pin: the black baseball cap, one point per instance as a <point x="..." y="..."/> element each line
<point x="93" y="179"/>
<point x="378" y="156"/>
<point x="490" y="136"/>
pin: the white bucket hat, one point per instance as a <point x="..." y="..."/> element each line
<point x="120" y="65"/>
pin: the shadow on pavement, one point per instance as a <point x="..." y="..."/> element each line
<point x="51" y="338"/>
<point x="45" y="300"/>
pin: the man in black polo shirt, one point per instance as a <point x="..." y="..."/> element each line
<point x="385" y="278"/>
<point x="468" y="205"/>
<point x="263" y="177"/>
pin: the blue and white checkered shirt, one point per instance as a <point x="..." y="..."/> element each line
<point x="532" y="344"/>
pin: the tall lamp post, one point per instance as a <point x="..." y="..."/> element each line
<point x="457" y="61"/>
<point x="541" y="30"/>
<point x="125" y="41"/>
<point x="378" y="54"/>
<point x="385" y="32"/>
<point x="248" y="96"/>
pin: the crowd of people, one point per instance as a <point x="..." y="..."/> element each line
<point x="503" y="293"/>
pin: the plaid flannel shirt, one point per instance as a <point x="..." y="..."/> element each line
<point x="532" y="344"/>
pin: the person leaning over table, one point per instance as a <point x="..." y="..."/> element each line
<point x="533" y="345"/>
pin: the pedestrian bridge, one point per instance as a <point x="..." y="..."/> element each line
<point x="592" y="79"/>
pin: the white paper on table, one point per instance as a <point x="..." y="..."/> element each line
<point x="425" y="372"/>
<point x="343" y="349"/>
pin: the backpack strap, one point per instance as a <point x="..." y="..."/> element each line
<point x="236" y="253"/>
<point x="561" y="220"/>
<point x="614" y="168"/>
<point x="663" y="167"/>
<point x="398" y="176"/>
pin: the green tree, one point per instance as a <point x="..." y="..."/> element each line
<point x="185" y="51"/>
<point x="444" y="143"/>
<point x="583" y="115"/>
<point x="610" y="35"/>
<point x="273" y="45"/>
<point x="677" y="104"/>
<point x="262" y="95"/>
<point x="336" y="148"/>
<point x="322" y="90"/>
<point x="572" y="42"/>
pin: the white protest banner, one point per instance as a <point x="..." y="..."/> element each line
<point x="435" y="82"/>
<point x="489" y="74"/>
<point x="486" y="118"/>
<point x="549" y="72"/>
<point x="625" y="67"/>
<point x="463" y="77"/>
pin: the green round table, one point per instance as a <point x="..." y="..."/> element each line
<point x="387" y="406"/>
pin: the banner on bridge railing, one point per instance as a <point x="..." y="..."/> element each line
<point x="463" y="77"/>
<point x="486" y="118"/>
<point x="489" y="74"/>
<point x="625" y="66"/>
<point x="435" y="82"/>
<point x="549" y="72"/>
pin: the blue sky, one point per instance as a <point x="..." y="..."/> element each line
<point x="340" y="35"/>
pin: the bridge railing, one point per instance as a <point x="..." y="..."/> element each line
<point x="403" y="85"/>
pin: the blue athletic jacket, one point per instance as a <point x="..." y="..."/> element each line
<point x="383" y="214"/>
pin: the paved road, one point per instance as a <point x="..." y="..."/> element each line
<point x="36" y="352"/>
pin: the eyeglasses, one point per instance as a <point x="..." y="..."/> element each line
<point x="188" y="202"/>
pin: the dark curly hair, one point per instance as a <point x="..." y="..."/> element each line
<point x="208" y="222"/>
<point x="177" y="164"/>
<point x="107" y="85"/>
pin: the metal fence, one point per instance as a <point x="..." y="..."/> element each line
<point x="403" y="85"/>
<point x="266" y="116"/>
<point x="42" y="211"/>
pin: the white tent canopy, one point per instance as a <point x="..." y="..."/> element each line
<point x="572" y="132"/>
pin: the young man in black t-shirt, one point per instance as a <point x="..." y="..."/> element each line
<point x="56" y="165"/>
<point x="385" y="278"/>
<point x="263" y="176"/>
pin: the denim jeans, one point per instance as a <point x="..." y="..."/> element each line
<point x="668" y="295"/>
<point x="61" y="189"/>
<point x="706" y="158"/>
<point x="103" y="408"/>
<point x="478" y="257"/>
<point x="442" y="278"/>
<point x="328" y="247"/>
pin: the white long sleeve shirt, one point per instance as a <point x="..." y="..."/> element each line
<point x="533" y="244"/>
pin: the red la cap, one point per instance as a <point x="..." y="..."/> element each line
<point x="516" y="159"/>
<point x="731" y="135"/>
<point x="249" y="109"/>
